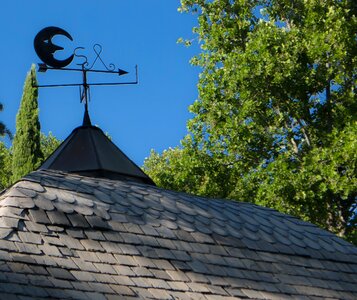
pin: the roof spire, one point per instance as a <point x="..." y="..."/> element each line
<point x="86" y="118"/>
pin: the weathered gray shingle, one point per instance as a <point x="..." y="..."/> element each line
<point x="65" y="236"/>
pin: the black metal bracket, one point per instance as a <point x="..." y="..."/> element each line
<point x="43" y="68"/>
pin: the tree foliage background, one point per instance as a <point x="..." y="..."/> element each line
<point x="5" y="157"/>
<point x="275" y="121"/>
<point x="30" y="147"/>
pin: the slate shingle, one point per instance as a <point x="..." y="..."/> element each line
<point x="8" y="223"/>
<point x="28" y="237"/>
<point x="78" y="220"/>
<point x="84" y="265"/>
<point x="122" y="290"/>
<point x="58" y="218"/>
<point x="50" y="250"/>
<point x="97" y="222"/>
<point x="5" y="232"/>
<point x="83" y="276"/>
<point x="35" y="227"/>
<point x="60" y="273"/>
<point x="123" y="270"/>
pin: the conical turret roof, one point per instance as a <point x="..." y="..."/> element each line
<point x="88" y="151"/>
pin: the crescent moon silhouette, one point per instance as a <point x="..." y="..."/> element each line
<point x="45" y="48"/>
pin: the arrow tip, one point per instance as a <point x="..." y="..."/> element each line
<point x="122" y="72"/>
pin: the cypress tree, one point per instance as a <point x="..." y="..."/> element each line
<point x="27" y="154"/>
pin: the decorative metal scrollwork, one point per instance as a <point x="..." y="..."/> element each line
<point x="97" y="48"/>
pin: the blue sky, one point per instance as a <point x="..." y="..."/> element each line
<point x="152" y="114"/>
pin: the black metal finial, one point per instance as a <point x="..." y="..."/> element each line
<point x="45" y="50"/>
<point x="86" y="118"/>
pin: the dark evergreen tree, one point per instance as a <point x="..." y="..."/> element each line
<point x="27" y="154"/>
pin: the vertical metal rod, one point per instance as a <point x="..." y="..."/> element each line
<point x="85" y="89"/>
<point x="85" y="98"/>
<point x="136" y="74"/>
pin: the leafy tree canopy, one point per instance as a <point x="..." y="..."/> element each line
<point x="275" y="121"/>
<point x="49" y="143"/>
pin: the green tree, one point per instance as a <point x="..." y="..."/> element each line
<point x="5" y="166"/>
<point x="3" y="129"/>
<point x="276" y="114"/>
<point x="5" y="155"/>
<point x="49" y="143"/>
<point x="26" y="148"/>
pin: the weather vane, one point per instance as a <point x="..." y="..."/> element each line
<point x="45" y="50"/>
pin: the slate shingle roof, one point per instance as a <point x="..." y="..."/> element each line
<point x="65" y="236"/>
